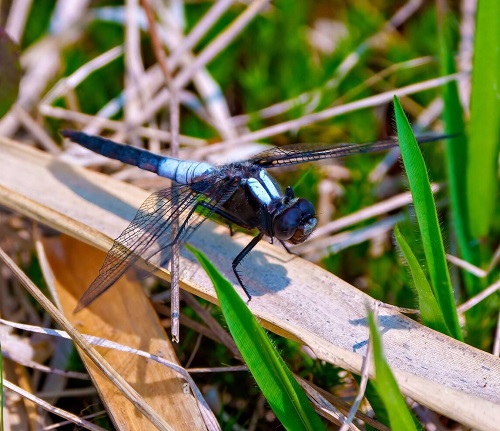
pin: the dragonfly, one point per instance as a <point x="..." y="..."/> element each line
<point x="239" y="193"/>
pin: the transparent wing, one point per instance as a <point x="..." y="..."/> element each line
<point x="302" y="153"/>
<point x="149" y="235"/>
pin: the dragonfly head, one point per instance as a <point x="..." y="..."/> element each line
<point x="295" y="222"/>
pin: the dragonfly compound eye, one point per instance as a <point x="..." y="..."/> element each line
<point x="307" y="224"/>
<point x="306" y="209"/>
<point x="286" y="223"/>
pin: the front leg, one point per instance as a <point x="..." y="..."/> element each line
<point x="286" y="248"/>
<point x="241" y="256"/>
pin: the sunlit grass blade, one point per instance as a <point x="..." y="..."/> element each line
<point x="456" y="149"/>
<point x="425" y="210"/>
<point x="484" y="140"/>
<point x="430" y="312"/>
<point x="457" y="161"/>
<point x="283" y="393"/>
<point x="400" y="417"/>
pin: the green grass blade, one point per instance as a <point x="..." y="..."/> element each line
<point x="456" y="150"/>
<point x="283" y="393"/>
<point x="457" y="160"/>
<point x="425" y="210"/>
<point x="400" y="417"/>
<point x="429" y="308"/>
<point x="482" y="167"/>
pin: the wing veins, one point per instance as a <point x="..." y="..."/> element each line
<point x="302" y="153"/>
<point x="149" y="225"/>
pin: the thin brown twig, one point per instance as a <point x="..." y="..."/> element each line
<point x="17" y="19"/>
<point x="64" y="423"/>
<point x="466" y="47"/>
<point x="322" y="406"/>
<point x="228" y="369"/>
<point x="344" y="407"/>
<point x="200" y="29"/>
<point x="174" y="150"/>
<point x="44" y="368"/>
<point x="155" y="41"/>
<point x="469" y="267"/>
<point x="490" y="290"/>
<point x="55" y="410"/>
<point x="365" y="373"/>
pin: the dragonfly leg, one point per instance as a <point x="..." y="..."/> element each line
<point x="240" y="257"/>
<point x="286" y="248"/>
<point x="223" y="214"/>
<point x="228" y="217"/>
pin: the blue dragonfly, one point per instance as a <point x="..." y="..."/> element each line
<point x="240" y="193"/>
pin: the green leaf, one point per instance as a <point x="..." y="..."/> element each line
<point x="425" y="210"/>
<point x="400" y="417"/>
<point x="10" y="72"/>
<point x="456" y="148"/>
<point x="457" y="160"/>
<point x="428" y="306"/>
<point x="484" y="142"/>
<point x="283" y="393"/>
